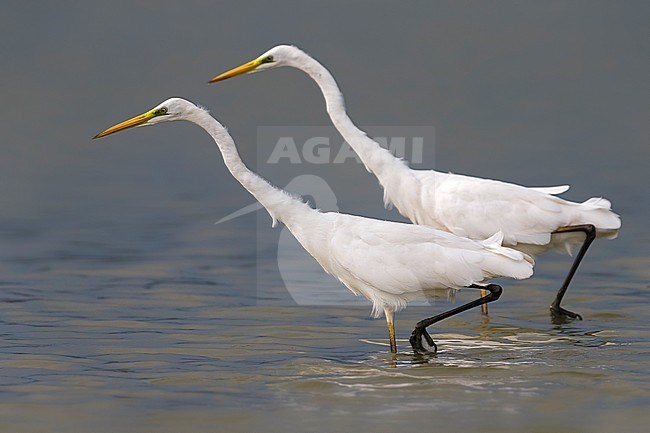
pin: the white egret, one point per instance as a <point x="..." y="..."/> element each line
<point x="389" y="263"/>
<point x="532" y="220"/>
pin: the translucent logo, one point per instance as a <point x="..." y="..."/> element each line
<point x="310" y="155"/>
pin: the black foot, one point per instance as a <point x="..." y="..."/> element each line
<point x="417" y="343"/>
<point x="561" y="314"/>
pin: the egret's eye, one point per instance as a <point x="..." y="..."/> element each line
<point x="268" y="59"/>
<point x="160" y="111"/>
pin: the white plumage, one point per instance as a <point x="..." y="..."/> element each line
<point x="476" y="208"/>
<point x="529" y="218"/>
<point x="392" y="263"/>
<point x="389" y="263"/>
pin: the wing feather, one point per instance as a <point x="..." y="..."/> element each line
<point x="477" y="208"/>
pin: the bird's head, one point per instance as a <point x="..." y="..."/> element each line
<point x="170" y="110"/>
<point x="282" y="55"/>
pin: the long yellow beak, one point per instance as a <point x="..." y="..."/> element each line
<point x="134" y="121"/>
<point x="243" y="69"/>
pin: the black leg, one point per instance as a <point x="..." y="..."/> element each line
<point x="421" y="327"/>
<point x="557" y="311"/>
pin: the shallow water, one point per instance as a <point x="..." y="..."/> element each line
<point x="159" y="327"/>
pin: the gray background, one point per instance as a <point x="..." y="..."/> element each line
<point x="537" y="93"/>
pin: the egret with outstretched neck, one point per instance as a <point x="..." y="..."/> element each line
<point x="533" y="220"/>
<point x="388" y="263"/>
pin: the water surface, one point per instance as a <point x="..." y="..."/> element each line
<point x="163" y="331"/>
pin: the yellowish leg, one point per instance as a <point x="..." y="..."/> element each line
<point x="390" y="315"/>
<point x="484" y="307"/>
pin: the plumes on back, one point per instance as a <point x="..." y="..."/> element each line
<point x="476" y="208"/>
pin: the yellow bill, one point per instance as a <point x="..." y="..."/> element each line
<point x="134" y="121"/>
<point x="243" y="69"/>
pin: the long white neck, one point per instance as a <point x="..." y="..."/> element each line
<point x="377" y="159"/>
<point x="280" y="205"/>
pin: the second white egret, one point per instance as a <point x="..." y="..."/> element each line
<point x="533" y="220"/>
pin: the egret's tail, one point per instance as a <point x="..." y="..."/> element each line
<point x="506" y="262"/>
<point x="598" y="211"/>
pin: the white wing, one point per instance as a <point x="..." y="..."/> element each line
<point x="477" y="208"/>
<point x="391" y="263"/>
